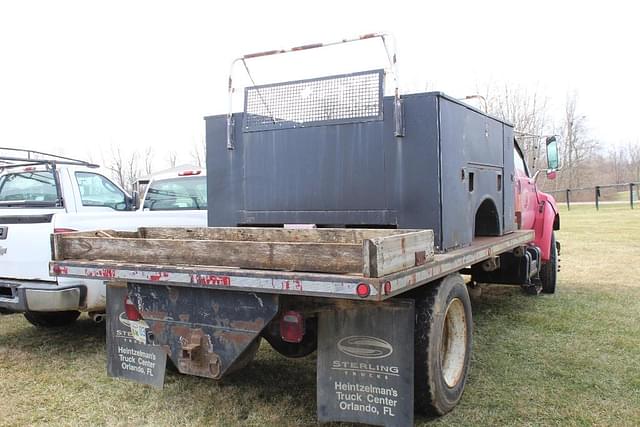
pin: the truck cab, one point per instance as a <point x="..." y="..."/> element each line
<point x="538" y="211"/>
<point x="60" y="195"/>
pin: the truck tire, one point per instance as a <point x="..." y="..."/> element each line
<point x="443" y="339"/>
<point x="549" y="270"/>
<point x="51" y="319"/>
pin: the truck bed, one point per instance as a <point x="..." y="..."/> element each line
<point x="253" y="259"/>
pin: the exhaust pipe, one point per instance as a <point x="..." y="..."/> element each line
<point x="97" y="317"/>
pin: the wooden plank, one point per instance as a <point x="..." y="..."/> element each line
<point x="390" y="254"/>
<point x="317" y="257"/>
<point x="57" y="251"/>
<point x="262" y="234"/>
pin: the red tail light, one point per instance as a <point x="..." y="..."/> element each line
<point x="387" y="288"/>
<point x="131" y="310"/>
<point x="189" y="173"/>
<point x="63" y="230"/>
<point x="292" y="327"/>
<point x="363" y="290"/>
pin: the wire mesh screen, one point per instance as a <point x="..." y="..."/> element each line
<point x="345" y="98"/>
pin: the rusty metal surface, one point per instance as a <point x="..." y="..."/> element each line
<point x="206" y="330"/>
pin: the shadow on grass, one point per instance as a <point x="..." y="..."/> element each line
<point x="82" y="335"/>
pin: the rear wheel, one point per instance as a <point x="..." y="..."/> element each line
<point x="549" y="270"/>
<point x="51" y="319"/>
<point x="443" y="338"/>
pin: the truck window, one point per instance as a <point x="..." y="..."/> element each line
<point x="96" y="190"/>
<point x="518" y="162"/>
<point x="177" y="194"/>
<point x="38" y="188"/>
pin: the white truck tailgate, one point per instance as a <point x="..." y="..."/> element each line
<point x="23" y="249"/>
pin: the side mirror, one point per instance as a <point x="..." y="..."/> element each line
<point x="553" y="158"/>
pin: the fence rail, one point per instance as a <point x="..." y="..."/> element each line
<point x="597" y="192"/>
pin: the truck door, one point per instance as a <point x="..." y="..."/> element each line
<point x="96" y="193"/>
<point x="525" y="192"/>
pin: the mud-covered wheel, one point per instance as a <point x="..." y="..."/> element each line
<point x="549" y="270"/>
<point x="443" y="338"/>
<point x="51" y="319"/>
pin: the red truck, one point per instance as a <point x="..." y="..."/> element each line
<point x="340" y="220"/>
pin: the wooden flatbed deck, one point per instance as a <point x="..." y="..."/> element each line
<point x="390" y="262"/>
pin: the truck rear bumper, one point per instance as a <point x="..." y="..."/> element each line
<point x="18" y="297"/>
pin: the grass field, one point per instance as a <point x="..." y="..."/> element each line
<point x="568" y="359"/>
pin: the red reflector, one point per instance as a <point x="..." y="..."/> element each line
<point x="189" y="173"/>
<point x="64" y="230"/>
<point x="292" y="327"/>
<point x="363" y="290"/>
<point x="387" y="288"/>
<point x="57" y="270"/>
<point x="131" y="310"/>
<point x="29" y="169"/>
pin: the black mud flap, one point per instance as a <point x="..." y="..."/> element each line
<point x="204" y="331"/>
<point x="365" y="364"/>
<point x="127" y="356"/>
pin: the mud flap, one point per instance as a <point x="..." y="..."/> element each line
<point x="127" y="356"/>
<point x="204" y="330"/>
<point x="365" y="364"/>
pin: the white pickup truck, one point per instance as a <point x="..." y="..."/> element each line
<point x="57" y="195"/>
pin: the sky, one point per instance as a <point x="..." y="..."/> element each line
<point x="80" y="77"/>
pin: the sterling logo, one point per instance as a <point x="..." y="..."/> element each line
<point x="365" y="347"/>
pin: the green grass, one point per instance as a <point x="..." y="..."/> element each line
<point x="568" y="359"/>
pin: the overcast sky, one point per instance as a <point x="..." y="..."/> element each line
<point x="78" y="77"/>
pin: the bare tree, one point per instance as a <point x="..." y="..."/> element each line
<point x="116" y="165"/>
<point x="124" y="169"/>
<point x="578" y="147"/>
<point x="148" y="160"/>
<point x="617" y="158"/>
<point x="132" y="171"/>
<point x="199" y="153"/>
<point x="527" y="110"/>
<point x="633" y="153"/>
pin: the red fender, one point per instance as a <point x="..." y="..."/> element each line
<point x="545" y="218"/>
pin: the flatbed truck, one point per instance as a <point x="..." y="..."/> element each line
<point x="349" y="227"/>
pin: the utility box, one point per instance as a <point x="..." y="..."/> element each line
<point x="326" y="152"/>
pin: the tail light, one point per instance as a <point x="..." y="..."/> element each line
<point x="131" y="310"/>
<point x="292" y="327"/>
<point x="387" y="288"/>
<point x="363" y="290"/>
<point x="189" y="173"/>
<point x="64" y="230"/>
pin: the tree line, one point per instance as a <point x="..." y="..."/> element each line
<point x="585" y="161"/>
